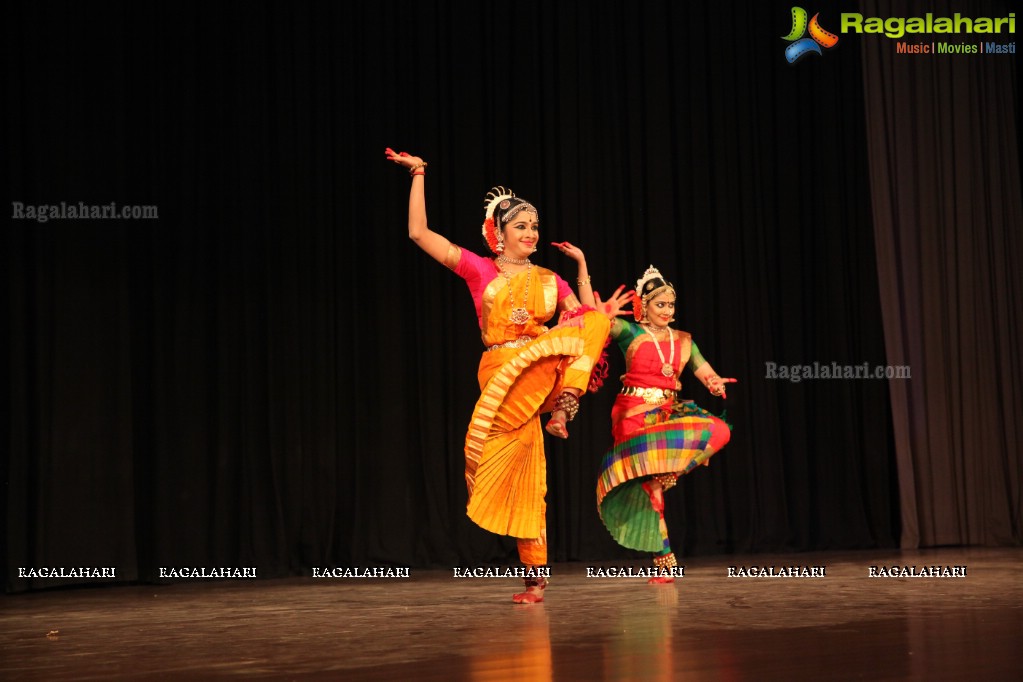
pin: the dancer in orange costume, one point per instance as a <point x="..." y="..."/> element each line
<point x="527" y="368"/>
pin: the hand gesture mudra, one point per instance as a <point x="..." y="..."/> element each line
<point x="403" y="159"/>
<point x="570" y="250"/>
<point x="716" y="385"/>
<point x="619" y="304"/>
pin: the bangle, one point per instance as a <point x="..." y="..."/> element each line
<point x="411" y="171"/>
<point x="418" y="173"/>
<point x="583" y="282"/>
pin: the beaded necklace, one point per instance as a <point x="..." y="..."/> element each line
<point x="667" y="366"/>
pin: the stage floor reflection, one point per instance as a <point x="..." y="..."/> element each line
<point x="433" y="626"/>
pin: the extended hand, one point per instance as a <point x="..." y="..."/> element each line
<point x="619" y="303"/>
<point x="573" y="252"/>
<point x="403" y="158"/>
<point x="716" y="385"/>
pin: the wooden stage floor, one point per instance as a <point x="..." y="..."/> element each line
<point x="432" y="626"/>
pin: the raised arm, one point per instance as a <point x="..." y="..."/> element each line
<point x="437" y="245"/>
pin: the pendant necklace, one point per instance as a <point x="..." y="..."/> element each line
<point x="667" y="367"/>
<point x="519" y="315"/>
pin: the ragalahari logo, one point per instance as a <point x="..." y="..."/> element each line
<point x="801" y="46"/>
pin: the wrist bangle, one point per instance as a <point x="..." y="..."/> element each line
<point x="418" y="173"/>
<point x="583" y="282"/>
<point x="412" y="171"/>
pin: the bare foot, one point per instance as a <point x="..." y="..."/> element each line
<point x="557" y="424"/>
<point x="532" y="595"/>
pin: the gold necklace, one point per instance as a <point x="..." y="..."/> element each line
<point x="667" y="366"/>
<point x="519" y="315"/>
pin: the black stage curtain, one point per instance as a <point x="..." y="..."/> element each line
<point x="272" y="375"/>
<point x="948" y="219"/>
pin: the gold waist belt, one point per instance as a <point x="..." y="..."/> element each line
<point x="517" y="343"/>
<point x="653" y="396"/>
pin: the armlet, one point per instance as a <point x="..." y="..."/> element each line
<point x="453" y="257"/>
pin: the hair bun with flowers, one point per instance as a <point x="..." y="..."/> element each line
<point x="491" y="234"/>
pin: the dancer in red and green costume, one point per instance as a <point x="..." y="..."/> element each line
<point x="657" y="438"/>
